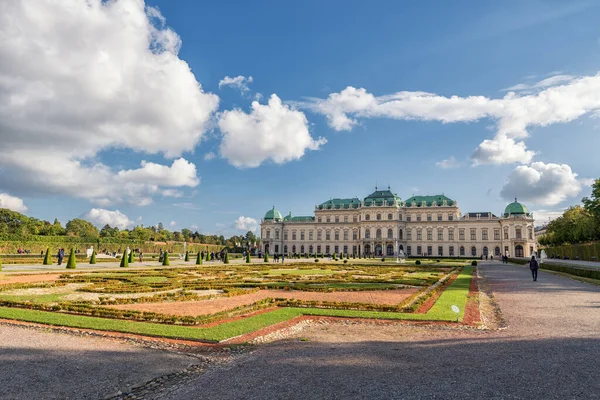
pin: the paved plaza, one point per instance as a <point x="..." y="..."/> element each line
<point x="549" y="350"/>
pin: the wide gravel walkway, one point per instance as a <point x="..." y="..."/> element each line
<point x="550" y="350"/>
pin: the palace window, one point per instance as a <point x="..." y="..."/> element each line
<point x="400" y="234"/>
<point x="461" y="234"/>
<point x="428" y="217"/>
<point x="328" y="219"/>
<point x="345" y="218"/>
<point x="530" y="233"/>
<point x="327" y="249"/>
<point x="285" y="235"/>
<point x="473" y="234"/>
<point x="440" y="234"/>
<point x="336" y="235"/>
<point x="276" y="249"/>
<point x="390" y="234"/>
<point x="378" y="217"/>
<point x="354" y="235"/>
<point x="496" y="234"/>
<point x="367" y="234"/>
<point x="462" y="251"/>
<point x="345" y="249"/>
<point x="408" y="218"/>
<point x="336" y="249"/>
<point x="285" y="249"/>
<point x="429" y="234"/>
<point x="418" y="250"/>
<point x="354" y="219"/>
<point x="497" y="251"/>
<point x="506" y="233"/>
<point x="418" y="217"/>
<point x="294" y="249"/>
<point x="440" y="250"/>
<point x="408" y="250"/>
<point x="484" y="234"/>
<point x="301" y="235"/>
<point x="310" y="249"/>
<point x="319" y="219"/>
<point x="450" y="217"/>
<point x="319" y="249"/>
<point x="409" y="234"/>
<point x="337" y="219"/>
<point x="327" y="235"/>
<point x="367" y="217"/>
<point x="310" y="235"/>
<point x="419" y="234"/>
<point x="293" y="235"/>
<point x="346" y="234"/>
<point x="518" y="233"/>
<point x="439" y="217"/>
<point x="451" y="251"/>
<point x="302" y="249"/>
<point x="319" y="235"/>
<point x="276" y="234"/>
<point x="429" y="250"/>
<point x="450" y="234"/>
<point x="473" y="251"/>
<point x="390" y="217"/>
<point x="399" y="217"/>
<point x="378" y="234"/>
<point x="268" y="234"/>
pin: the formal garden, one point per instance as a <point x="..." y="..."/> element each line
<point x="216" y="302"/>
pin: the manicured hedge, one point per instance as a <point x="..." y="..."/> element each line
<point x="587" y="251"/>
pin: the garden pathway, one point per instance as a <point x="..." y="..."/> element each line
<point x="550" y="350"/>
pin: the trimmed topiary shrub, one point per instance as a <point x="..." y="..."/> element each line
<point x="266" y="257"/>
<point x="93" y="257"/>
<point x="166" y="259"/>
<point x="199" y="259"/>
<point x="207" y="256"/>
<point x="334" y="257"/>
<point x="418" y="262"/>
<point x="130" y="257"/>
<point x="382" y="259"/>
<point x="345" y="261"/>
<point x="187" y="256"/>
<point x="248" y="258"/>
<point x="72" y="264"/>
<point x="47" y="260"/>
<point x="474" y="263"/>
<point x="124" y="260"/>
<point x="316" y="260"/>
<point x="226" y="260"/>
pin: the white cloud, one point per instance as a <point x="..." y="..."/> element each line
<point x="270" y="132"/>
<point x="246" y="224"/>
<point x="180" y="173"/>
<point x="172" y="224"/>
<point x="101" y="217"/>
<point x="545" y="184"/>
<point x="542" y="216"/>
<point x="544" y="83"/>
<point x="239" y="82"/>
<point x="64" y="99"/>
<point x="172" y="193"/>
<point x="563" y="99"/>
<point x="209" y="156"/>
<point x="448" y="163"/>
<point x="12" y="203"/>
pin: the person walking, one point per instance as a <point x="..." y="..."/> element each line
<point x="61" y="255"/>
<point x="534" y="266"/>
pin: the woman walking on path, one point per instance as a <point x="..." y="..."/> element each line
<point x="533" y="266"/>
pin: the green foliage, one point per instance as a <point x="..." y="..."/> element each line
<point x="72" y="264"/>
<point x="248" y="258"/>
<point x="82" y="228"/>
<point x="207" y="255"/>
<point x="474" y="263"/>
<point x="187" y="256"/>
<point x="334" y="257"/>
<point x="124" y="260"/>
<point x="47" y="260"/>
<point x="418" y="262"/>
<point x="166" y="259"/>
<point x="588" y="251"/>
<point x="592" y="204"/>
<point x="266" y="259"/>
<point x="0" y="263"/>
<point x="93" y="257"/>
<point x="130" y="257"/>
<point x="199" y="259"/>
<point x="226" y="260"/>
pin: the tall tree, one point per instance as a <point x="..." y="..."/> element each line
<point x="82" y="228"/>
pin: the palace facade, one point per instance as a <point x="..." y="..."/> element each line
<point x="384" y="225"/>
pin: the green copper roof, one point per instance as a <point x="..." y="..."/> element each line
<point x="289" y="218"/>
<point x="515" y="208"/>
<point x="429" y="200"/>
<point x="273" y="214"/>
<point x="336" y="204"/>
<point x="378" y="197"/>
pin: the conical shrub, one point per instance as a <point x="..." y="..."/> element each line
<point x="93" y="257"/>
<point x="72" y="264"/>
<point x="130" y="257"/>
<point x="124" y="260"/>
<point x="266" y="257"/>
<point x="166" y="258"/>
<point x="47" y="260"/>
<point x="248" y="258"/>
<point x="207" y="255"/>
<point x="187" y="256"/>
<point x="226" y="260"/>
<point x="199" y="259"/>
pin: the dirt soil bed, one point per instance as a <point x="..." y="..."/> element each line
<point x="211" y="306"/>
<point x="33" y="278"/>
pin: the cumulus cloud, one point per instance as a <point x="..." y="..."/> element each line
<point x="172" y="193"/>
<point x="12" y="203"/>
<point x="545" y="184"/>
<point x="270" y="132"/>
<point x="543" y="216"/>
<point x="63" y="99"/>
<point x="448" y="163"/>
<point x="180" y="173"/>
<point x="101" y="217"/>
<point x="564" y="98"/>
<point x="246" y="224"/>
<point x="239" y="82"/>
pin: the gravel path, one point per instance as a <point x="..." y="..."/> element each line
<point x="550" y="350"/>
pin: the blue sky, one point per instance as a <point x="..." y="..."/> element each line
<point x="332" y="139"/>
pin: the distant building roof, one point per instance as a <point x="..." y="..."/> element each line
<point x="428" y="201"/>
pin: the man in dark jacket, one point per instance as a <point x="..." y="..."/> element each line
<point x="533" y="266"/>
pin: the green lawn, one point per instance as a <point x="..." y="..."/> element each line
<point x="455" y="294"/>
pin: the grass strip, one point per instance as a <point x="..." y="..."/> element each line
<point x="455" y="294"/>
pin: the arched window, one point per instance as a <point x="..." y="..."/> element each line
<point x="367" y="234"/>
<point x="497" y="251"/>
<point x="302" y="249"/>
<point x="390" y="233"/>
<point x="390" y="250"/>
<point x="310" y="249"/>
<point x="400" y="234"/>
<point x="285" y="249"/>
<point x="473" y="251"/>
<point x="367" y="217"/>
<point x="485" y="251"/>
<point x="378" y="234"/>
<point x="390" y="216"/>
<point x="378" y="217"/>
<point x="294" y="249"/>
<point x="519" y="251"/>
<point x="462" y="250"/>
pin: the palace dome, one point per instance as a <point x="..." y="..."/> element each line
<point x="273" y="214"/>
<point x="515" y="208"/>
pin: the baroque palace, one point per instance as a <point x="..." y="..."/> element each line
<point x="384" y="225"/>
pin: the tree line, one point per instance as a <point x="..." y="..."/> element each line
<point x="578" y="224"/>
<point x="16" y="224"/>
